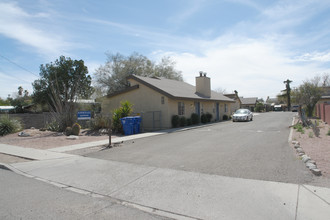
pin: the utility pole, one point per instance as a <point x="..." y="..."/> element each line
<point x="288" y="91"/>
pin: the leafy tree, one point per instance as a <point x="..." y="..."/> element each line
<point x="260" y="107"/>
<point x="68" y="78"/>
<point x="308" y="94"/>
<point x="60" y="84"/>
<point x="4" y="102"/>
<point x="111" y="77"/>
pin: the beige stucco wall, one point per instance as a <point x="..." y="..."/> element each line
<point x="235" y="106"/>
<point x="146" y="102"/>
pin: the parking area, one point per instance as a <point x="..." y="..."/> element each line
<point x="254" y="150"/>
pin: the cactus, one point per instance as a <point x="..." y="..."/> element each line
<point x="68" y="131"/>
<point x="75" y="129"/>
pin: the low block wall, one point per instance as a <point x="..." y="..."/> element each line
<point x="32" y="120"/>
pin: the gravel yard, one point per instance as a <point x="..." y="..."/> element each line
<point x="318" y="148"/>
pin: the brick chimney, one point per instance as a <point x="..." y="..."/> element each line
<point x="203" y="84"/>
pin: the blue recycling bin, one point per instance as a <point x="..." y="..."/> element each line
<point x="128" y="123"/>
<point x="136" y="125"/>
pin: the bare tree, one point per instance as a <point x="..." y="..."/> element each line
<point x="308" y="94"/>
<point x="220" y="90"/>
<point x="111" y="76"/>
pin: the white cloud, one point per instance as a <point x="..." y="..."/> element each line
<point x="15" y="23"/>
<point x="252" y="67"/>
<point x="315" y="56"/>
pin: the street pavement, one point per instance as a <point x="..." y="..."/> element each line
<point x="250" y="150"/>
<point x="28" y="198"/>
<point x="180" y="194"/>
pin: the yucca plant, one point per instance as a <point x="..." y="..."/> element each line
<point x="9" y="125"/>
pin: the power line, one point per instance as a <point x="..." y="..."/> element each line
<point x="18" y="65"/>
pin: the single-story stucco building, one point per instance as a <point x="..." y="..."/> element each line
<point x="249" y="103"/>
<point x="157" y="99"/>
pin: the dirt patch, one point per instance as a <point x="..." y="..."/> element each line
<point x="318" y="148"/>
<point x="48" y="139"/>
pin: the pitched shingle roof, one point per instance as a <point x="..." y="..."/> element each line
<point x="249" y="101"/>
<point x="177" y="89"/>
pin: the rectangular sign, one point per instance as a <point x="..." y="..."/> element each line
<point x="84" y="115"/>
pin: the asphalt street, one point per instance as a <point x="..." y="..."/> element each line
<point x="251" y="150"/>
<point x="27" y="198"/>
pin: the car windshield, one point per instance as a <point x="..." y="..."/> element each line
<point x="241" y="111"/>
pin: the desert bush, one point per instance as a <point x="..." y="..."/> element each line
<point x="100" y="121"/>
<point x="53" y="126"/>
<point x="76" y="129"/>
<point x="182" y="121"/>
<point x="175" y="121"/>
<point x="194" y="118"/>
<point x="299" y="128"/>
<point x="9" y="125"/>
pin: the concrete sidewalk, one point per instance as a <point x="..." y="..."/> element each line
<point x="183" y="195"/>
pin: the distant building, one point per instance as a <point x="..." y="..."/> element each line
<point x="249" y="103"/>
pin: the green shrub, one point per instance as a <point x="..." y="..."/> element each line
<point x="125" y="110"/>
<point x="76" y="129"/>
<point x="189" y="121"/>
<point x="175" y="121"/>
<point x="9" y="125"/>
<point x="208" y="117"/>
<point x="225" y="117"/>
<point x="328" y="132"/>
<point x="194" y="118"/>
<point x="203" y="118"/>
<point x="299" y="128"/>
<point x="260" y="107"/>
<point x="182" y="121"/>
<point x="68" y="131"/>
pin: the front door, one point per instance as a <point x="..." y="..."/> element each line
<point x="197" y="108"/>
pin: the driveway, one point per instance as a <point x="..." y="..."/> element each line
<point x="252" y="150"/>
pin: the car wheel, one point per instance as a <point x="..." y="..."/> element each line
<point x="251" y="118"/>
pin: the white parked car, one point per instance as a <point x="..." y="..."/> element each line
<point x="243" y="115"/>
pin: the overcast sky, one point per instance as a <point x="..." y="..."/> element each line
<point x="251" y="46"/>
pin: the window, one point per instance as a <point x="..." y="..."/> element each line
<point x="226" y="108"/>
<point x="162" y="100"/>
<point x="180" y="108"/>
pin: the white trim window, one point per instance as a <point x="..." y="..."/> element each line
<point x="180" y="108"/>
<point x="226" y="108"/>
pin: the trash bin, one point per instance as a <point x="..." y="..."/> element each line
<point x="127" y="123"/>
<point x="136" y="125"/>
